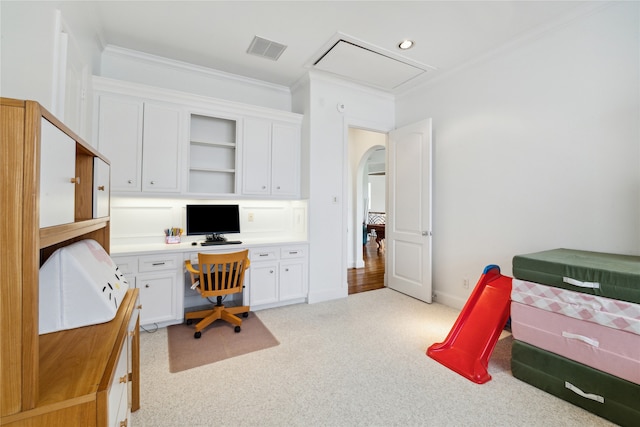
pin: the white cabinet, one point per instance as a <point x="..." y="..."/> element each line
<point x="57" y="176"/>
<point x="120" y="139"/>
<point x="278" y="275"/>
<point x="212" y="155"/>
<point x="271" y="158"/>
<point x="142" y="140"/>
<point x="293" y="273"/>
<point x="158" y="277"/>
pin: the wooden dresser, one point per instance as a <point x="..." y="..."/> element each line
<point x="52" y="196"/>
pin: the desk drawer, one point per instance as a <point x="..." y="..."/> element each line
<point x="264" y="254"/>
<point x="157" y="263"/>
<point x="128" y="265"/>
<point x="293" y="252"/>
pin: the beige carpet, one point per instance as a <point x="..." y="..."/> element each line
<point x="353" y="362"/>
<point x="218" y="342"/>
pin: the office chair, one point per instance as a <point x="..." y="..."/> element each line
<point x="219" y="275"/>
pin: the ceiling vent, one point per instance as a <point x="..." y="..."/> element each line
<point x="266" y="48"/>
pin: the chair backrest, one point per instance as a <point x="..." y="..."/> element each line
<point x="222" y="274"/>
<point x="376" y="218"/>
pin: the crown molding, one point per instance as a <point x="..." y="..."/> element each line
<point x="185" y="66"/>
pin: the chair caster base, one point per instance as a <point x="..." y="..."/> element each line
<point x="237" y="329"/>
<point x="197" y="335"/>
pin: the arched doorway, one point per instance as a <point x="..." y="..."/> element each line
<point x="367" y="160"/>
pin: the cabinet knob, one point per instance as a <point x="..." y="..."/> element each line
<point x="100" y="187"/>
<point x="129" y="181"/>
<point x="139" y="307"/>
<point x="123" y="379"/>
<point x="146" y="286"/>
<point x="286" y="269"/>
<point x="264" y="187"/>
<point x="271" y="271"/>
<point x="153" y="182"/>
<point x="278" y="187"/>
<point x="75" y="180"/>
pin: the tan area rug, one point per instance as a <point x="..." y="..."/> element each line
<point x="218" y="342"/>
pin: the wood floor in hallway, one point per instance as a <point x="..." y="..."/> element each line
<point x="372" y="275"/>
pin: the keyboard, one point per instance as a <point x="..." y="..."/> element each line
<point x="221" y="242"/>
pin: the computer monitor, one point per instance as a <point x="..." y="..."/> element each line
<point x="213" y="220"/>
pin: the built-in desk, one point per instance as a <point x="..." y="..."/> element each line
<point x="278" y="275"/>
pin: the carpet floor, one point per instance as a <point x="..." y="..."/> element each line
<point x="357" y="361"/>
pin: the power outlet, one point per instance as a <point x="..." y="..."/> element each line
<point x="250" y="217"/>
<point x="465" y="283"/>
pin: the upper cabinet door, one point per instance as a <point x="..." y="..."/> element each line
<point x="256" y="157"/>
<point x="57" y="176"/>
<point x="285" y="160"/>
<point x="141" y="140"/>
<point x="271" y="158"/>
<point x="120" y="139"/>
<point x="160" y="152"/>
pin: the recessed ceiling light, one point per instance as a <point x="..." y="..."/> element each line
<point x="406" y="44"/>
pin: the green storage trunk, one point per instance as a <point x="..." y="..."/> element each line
<point x="605" y="395"/>
<point x="608" y="275"/>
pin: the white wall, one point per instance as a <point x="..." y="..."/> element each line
<point x="139" y="67"/>
<point x="536" y="148"/>
<point x="325" y="154"/>
<point x="29" y="33"/>
<point x="140" y="221"/>
<point x="378" y="193"/>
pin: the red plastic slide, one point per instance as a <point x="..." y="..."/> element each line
<point x="469" y="345"/>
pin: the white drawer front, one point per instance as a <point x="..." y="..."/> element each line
<point x="293" y="252"/>
<point x="264" y="254"/>
<point x="118" y="389"/>
<point x="157" y="262"/>
<point x="128" y="265"/>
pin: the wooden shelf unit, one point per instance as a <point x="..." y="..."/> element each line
<point x="59" y="378"/>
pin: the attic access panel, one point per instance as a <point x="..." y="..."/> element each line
<point x="364" y="65"/>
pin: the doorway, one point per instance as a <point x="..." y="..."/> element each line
<point x="367" y="199"/>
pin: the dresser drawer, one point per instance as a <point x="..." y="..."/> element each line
<point x="264" y="254"/>
<point x="293" y="252"/>
<point x="118" y="391"/>
<point x="157" y="263"/>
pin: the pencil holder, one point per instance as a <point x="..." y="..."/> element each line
<point x="171" y="239"/>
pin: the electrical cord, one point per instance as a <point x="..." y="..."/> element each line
<point x="150" y="331"/>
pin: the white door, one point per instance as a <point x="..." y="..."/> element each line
<point x="285" y="160"/>
<point x="161" y="148"/>
<point x="120" y="139"/>
<point x="57" y="176"/>
<point x="408" y="229"/>
<point x="256" y="157"/>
